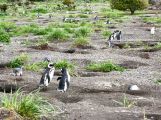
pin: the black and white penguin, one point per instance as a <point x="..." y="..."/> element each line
<point x="119" y="35"/>
<point x="47" y="76"/>
<point x="64" y="80"/>
<point x="18" y="71"/>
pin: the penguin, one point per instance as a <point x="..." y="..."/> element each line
<point x="108" y="22"/>
<point x="46" y="59"/>
<point x="152" y="31"/>
<point x="133" y="88"/>
<point x="18" y="71"/>
<point x="96" y="18"/>
<point x="47" y="76"/>
<point x="119" y="35"/>
<point x="64" y="80"/>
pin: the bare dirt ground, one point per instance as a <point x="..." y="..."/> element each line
<point x="93" y="95"/>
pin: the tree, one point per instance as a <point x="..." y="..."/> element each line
<point x="131" y="5"/>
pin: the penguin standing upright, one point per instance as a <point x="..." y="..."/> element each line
<point x="47" y="76"/>
<point x="64" y="80"/>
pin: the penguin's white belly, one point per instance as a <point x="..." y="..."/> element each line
<point x="68" y="76"/>
<point x="65" y="87"/>
<point x="51" y="74"/>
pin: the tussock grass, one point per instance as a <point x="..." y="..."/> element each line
<point x="66" y="64"/>
<point x="18" y="61"/>
<point x="28" y="106"/>
<point x="58" y="35"/>
<point x="152" y="19"/>
<point x="81" y="42"/>
<point x="106" y="33"/>
<point x="36" y="66"/>
<point x="82" y="32"/>
<point x="106" y="66"/>
<point x="4" y="37"/>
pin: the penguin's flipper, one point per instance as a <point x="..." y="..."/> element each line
<point x="59" y="78"/>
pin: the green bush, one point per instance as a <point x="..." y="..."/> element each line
<point x="106" y="66"/>
<point x="4" y="37"/>
<point x="131" y="5"/>
<point x="18" y="61"/>
<point x="29" y="107"/>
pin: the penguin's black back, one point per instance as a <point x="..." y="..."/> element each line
<point x="45" y="74"/>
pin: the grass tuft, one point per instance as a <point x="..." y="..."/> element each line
<point x="18" y="61"/>
<point x="81" y="42"/>
<point x="28" y="106"/>
<point x="106" y="66"/>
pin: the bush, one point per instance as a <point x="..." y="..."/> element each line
<point x="106" y="66"/>
<point x="131" y="5"/>
<point x="18" y="61"/>
<point x="4" y="37"/>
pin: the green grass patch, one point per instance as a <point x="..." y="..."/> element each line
<point x="106" y="66"/>
<point x="81" y="42"/>
<point x="4" y="37"/>
<point x="18" y="61"/>
<point x="36" y="66"/>
<point x="40" y="10"/>
<point x="58" y="34"/>
<point x="114" y="14"/>
<point x="152" y="19"/>
<point x="28" y="106"/>
<point x="82" y="32"/>
<point x="66" y="64"/>
<point x="106" y="33"/>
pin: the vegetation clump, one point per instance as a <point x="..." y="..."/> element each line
<point x="4" y="37"/>
<point x="106" y="66"/>
<point x="18" y="61"/>
<point x="36" y="66"/>
<point x="28" y="106"/>
<point x="3" y="7"/>
<point x="57" y="34"/>
<point x="81" y="42"/>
